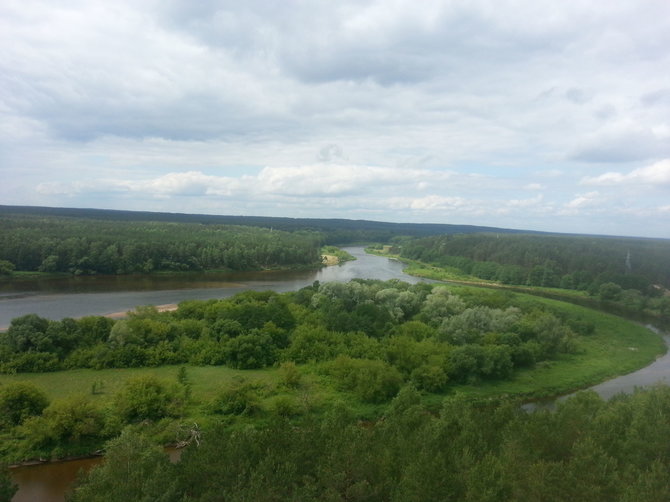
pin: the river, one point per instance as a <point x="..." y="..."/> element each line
<point x="76" y="297"/>
<point x="102" y="295"/>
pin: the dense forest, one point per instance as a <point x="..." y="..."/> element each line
<point x="571" y="262"/>
<point x="85" y="246"/>
<point x="335" y="231"/>
<point x="587" y="450"/>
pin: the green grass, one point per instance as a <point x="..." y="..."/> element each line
<point x="616" y="348"/>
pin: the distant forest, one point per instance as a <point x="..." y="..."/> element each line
<point x="86" y="246"/>
<point x="335" y="231"/>
<point x="87" y="241"/>
<point x="571" y="262"/>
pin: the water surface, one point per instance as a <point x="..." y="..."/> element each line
<point x="102" y="295"/>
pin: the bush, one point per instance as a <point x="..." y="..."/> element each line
<point x="147" y="398"/>
<point x="19" y="401"/>
<point x="372" y="381"/>
<point x="286" y="406"/>
<point x="73" y="420"/>
<point x="289" y="375"/>
<point x="237" y="398"/>
<point x="250" y="351"/>
<point x="429" y="378"/>
<point x="32" y="362"/>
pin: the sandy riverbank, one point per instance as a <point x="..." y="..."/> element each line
<point x="329" y="260"/>
<point x="168" y="307"/>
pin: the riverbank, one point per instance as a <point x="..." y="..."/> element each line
<point x="615" y="347"/>
<point x="452" y="276"/>
<point x="169" y="307"/>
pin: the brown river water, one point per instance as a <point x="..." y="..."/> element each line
<point x="77" y="297"/>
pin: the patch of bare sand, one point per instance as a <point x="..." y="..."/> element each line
<point x="329" y="259"/>
<point x="168" y="307"/>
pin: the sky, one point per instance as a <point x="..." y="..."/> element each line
<point x="538" y="115"/>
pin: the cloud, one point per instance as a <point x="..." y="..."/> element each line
<point x="445" y="110"/>
<point x="428" y="203"/>
<point x="583" y="200"/>
<point x="534" y="201"/>
<point x="624" y="143"/>
<point x="657" y="174"/>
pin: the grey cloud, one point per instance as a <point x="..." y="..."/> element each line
<point x="330" y="153"/>
<point x="577" y="96"/>
<point x="623" y="146"/>
<point x="655" y="98"/>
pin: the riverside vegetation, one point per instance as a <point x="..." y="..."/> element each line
<point x="362" y="391"/>
<point x="630" y="275"/>
<point x="264" y="359"/>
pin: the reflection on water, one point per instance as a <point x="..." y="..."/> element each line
<point x="101" y="295"/>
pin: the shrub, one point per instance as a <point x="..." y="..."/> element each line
<point x="429" y="378"/>
<point x="19" y="401"/>
<point x="372" y="381"/>
<point x="250" y="351"/>
<point x="238" y="398"/>
<point x="147" y="398"/>
<point x="289" y="374"/>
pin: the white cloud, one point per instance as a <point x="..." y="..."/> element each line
<point x="444" y="109"/>
<point x="584" y="200"/>
<point x="657" y="174"/>
<point x="534" y="201"/>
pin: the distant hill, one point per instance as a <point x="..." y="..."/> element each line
<point x="336" y="228"/>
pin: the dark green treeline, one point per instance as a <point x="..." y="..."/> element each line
<point x="84" y="246"/>
<point x="587" y="450"/>
<point x="571" y="262"/>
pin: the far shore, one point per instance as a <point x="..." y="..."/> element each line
<point x="168" y="307"/>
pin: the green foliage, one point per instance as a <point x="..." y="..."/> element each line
<point x="134" y="469"/>
<point x="289" y="375"/>
<point x="239" y="397"/>
<point x="430" y="378"/>
<point x="84" y="246"/>
<point x="71" y="421"/>
<point x="147" y="398"/>
<point x="19" y="401"/>
<point x="6" y="267"/>
<point x="286" y="406"/>
<point x="572" y="262"/>
<point x="250" y="351"/>
<point x="371" y="381"/>
<point x="586" y="451"/>
<point x="7" y="487"/>
<point x="610" y="291"/>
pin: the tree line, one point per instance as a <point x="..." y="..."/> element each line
<point x="335" y="230"/>
<point x="587" y="450"/>
<point x="570" y="262"/>
<point x="85" y="246"/>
